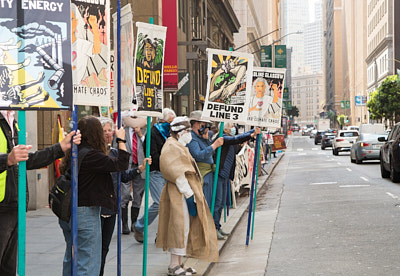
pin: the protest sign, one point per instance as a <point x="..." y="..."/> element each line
<point x="279" y="142"/>
<point x="91" y="52"/>
<point x="149" y="62"/>
<point x="127" y="47"/>
<point x="228" y="86"/>
<point x="35" y="55"/>
<point x="265" y="105"/>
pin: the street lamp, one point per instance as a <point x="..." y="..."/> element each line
<point x="256" y="39"/>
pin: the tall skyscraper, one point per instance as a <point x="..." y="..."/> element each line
<point x="296" y="16"/>
<point x="313" y="38"/>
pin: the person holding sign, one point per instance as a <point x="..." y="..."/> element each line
<point x="227" y="170"/>
<point x="95" y="190"/>
<point x="185" y="226"/>
<point x="159" y="134"/>
<point x="10" y="154"/>
<point x="134" y="129"/>
<point x="202" y="151"/>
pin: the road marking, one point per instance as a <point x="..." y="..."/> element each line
<point x="339" y="163"/>
<point x="392" y="195"/>
<point x="353" y="186"/>
<point x="348" y="169"/>
<point x="300" y="149"/>
<point x="302" y="153"/>
<point x="323" y="183"/>
<point x="363" y="178"/>
<point x="314" y="149"/>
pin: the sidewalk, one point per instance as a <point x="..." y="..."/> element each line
<point x="45" y="243"/>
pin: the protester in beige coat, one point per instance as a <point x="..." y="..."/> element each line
<point x="185" y="225"/>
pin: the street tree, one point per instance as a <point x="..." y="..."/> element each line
<point x="294" y="112"/>
<point x="385" y="102"/>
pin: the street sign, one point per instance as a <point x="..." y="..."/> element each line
<point x="360" y="100"/>
<point x="344" y="104"/>
<point x="266" y="56"/>
<point x="287" y="105"/>
<point x="280" y="56"/>
<point x="286" y="93"/>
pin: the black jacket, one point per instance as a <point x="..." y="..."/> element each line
<point x="156" y="143"/>
<point x="37" y="160"/>
<point x="95" y="185"/>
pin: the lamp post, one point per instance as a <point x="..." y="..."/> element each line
<point x="279" y="39"/>
<point x="240" y="47"/>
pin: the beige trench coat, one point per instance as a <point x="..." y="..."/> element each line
<point x="175" y="160"/>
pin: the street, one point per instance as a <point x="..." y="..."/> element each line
<point x="333" y="217"/>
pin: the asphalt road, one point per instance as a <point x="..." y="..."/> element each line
<point x="334" y="217"/>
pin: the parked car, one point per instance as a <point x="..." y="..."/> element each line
<point x="312" y="133"/>
<point x="342" y="141"/>
<point x="318" y="137"/>
<point x="366" y="147"/>
<point x="327" y="140"/>
<point x="305" y="131"/>
<point x="389" y="155"/>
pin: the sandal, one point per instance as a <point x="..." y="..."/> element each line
<point x="189" y="269"/>
<point x="178" y="270"/>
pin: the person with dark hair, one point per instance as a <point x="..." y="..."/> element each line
<point x="95" y="190"/>
<point x="185" y="226"/>
<point x="10" y="154"/>
<point x="108" y="216"/>
<point x="227" y="169"/>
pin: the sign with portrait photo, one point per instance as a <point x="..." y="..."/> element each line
<point x="90" y="22"/>
<point x="149" y="62"/>
<point x="228" y="86"/>
<point x="35" y="55"/>
<point x="265" y="104"/>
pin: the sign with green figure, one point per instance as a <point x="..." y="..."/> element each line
<point x="280" y="56"/>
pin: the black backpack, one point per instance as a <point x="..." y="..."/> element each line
<point x="60" y="194"/>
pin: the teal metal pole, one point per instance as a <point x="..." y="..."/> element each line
<point x="21" y="197"/>
<point x="146" y="190"/>
<point x="255" y="188"/>
<point x="221" y="131"/>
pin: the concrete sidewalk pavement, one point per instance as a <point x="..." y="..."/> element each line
<point x="45" y="245"/>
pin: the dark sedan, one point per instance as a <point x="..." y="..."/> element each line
<point x="389" y="155"/>
<point x="318" y="137"/>
<point x="326" y="140"/>
<point x="366" y="147"/>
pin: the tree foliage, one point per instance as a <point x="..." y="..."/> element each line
<point x="385" y="101"/>
<point x="294" y="112"/>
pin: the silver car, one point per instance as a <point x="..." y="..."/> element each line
<point x="366" y="147"/>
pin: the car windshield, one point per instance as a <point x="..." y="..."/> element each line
<point x="372" y="136"/>
<point x="349" y="134"/>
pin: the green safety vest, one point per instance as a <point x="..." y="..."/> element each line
<point x="3" y="175"/>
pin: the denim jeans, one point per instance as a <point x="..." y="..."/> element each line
<point x="156" y="185"/>
<point x="220" y="195"/>
<point x="220" y="200"/>
<point x="89" y="242"/>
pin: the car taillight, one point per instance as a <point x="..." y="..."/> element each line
<point x="339" y="140"/>
<point x="364" y="144"/>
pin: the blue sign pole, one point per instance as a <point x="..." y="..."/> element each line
<point x="74" y="197"/>
<point x="119" y="228"/>
<point x="252" y="188"/>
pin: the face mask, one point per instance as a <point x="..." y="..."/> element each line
<point x="185" y="138"/>
<point x="233" y="131"/>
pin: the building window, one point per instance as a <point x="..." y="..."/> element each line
<point x="182" y="9"/>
